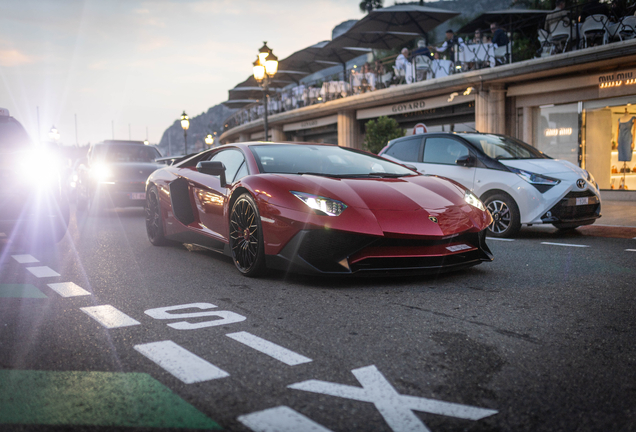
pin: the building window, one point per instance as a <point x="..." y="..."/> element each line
<point x="608" y="133"/>
<point x="556" y="131"/>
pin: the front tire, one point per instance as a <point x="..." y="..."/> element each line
<point x="246" y="237"/>
<point x="505" y="213"/>
<point x="154" y="220"/>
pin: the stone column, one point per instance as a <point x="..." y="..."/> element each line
<point x="490" y="109"/>
<point x="527" y="125"/>
<point x="276" y="134"/>
<point x="348" y="133"/>
<point x="244" y="137"/>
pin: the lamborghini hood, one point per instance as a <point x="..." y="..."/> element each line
<point x="419" y="205"/>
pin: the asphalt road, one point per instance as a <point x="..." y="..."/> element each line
<point x="541" y="339"/>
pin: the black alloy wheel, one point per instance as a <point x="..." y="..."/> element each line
<point x="154" y="221"/>
<point x="246" y="237"/>
<point x="505" y="215"/>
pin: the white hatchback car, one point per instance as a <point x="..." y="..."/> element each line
<point x="517" y="183"/>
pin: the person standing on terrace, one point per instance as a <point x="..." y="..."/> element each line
<point x="499" y="37"/>
<point x="448" y="47"/>
<point x="594" y="7"/>
<point x="559" y="14"/>
<point x="401" y="62"/>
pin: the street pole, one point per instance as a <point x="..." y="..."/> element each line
<point x="185" y="142"/>
<point x="265" y="88"/>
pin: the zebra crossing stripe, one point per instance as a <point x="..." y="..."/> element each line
<point x="68" y="289"/>
<point x="109" y="316"/>
<point x="280" y="419"/>
<point x="281" y="354"/>
<point x="24" y="259"/>
<point x="179" y="362"/>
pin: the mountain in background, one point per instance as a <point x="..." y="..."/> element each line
<point x="205" y="123"/>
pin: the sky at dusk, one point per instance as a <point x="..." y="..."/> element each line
<point x="141" y="63"/>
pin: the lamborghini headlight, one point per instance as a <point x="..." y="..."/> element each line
<point x="472" y="199"/>
<point x="321" y="205"/>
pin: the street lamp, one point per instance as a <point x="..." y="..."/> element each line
<point x="209" y="140"/>
<point x="54" y="135"/>
<point x="185" y="124"/>
<point x="265" y="67"/>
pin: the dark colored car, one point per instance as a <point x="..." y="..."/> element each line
<point x="115" y="174"/>
<point x="33" y="203"/>
<point x="316" y="208"/>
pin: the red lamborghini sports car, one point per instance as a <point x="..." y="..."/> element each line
<point x="316" y="208"/>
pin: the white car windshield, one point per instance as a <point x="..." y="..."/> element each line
<point x="501" y="147"/>
<point x="331" y="161"/>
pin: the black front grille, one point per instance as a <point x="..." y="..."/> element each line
<point x="324" y="248"/>
<point x="567" y="210"/>
<point x="130" y="186"/>
<point x="470" y="238"/>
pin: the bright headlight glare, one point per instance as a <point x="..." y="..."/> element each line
<point x="535" y="179"/>
<point x="101" y="172"/>
<point x="321" y="205"/>
<point x="590" y="178"/>
<point x="471" y="199"/>
<point x="39" y="167"/>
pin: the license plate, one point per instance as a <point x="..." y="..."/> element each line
<point x="138" y="196"/>
<point x="582" y="201"/>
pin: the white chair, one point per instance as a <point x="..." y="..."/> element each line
<point x="595" y="26"/>
<point x="502" y="53"/>
<point x="628" y="27"/>
<point x="560" y="36"/>
<point x="386" y="79"/>
<point x="400" y="75"/>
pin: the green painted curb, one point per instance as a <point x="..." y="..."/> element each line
<point x="94" y="399"/>
<point x="20" y="291"/>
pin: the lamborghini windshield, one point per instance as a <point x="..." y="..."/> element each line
<point x="331" y="161"/>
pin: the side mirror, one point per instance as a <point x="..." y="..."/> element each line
<point x="465" y="161"/>
<point x="411" y="167"/>
<point x="214" y="168"/>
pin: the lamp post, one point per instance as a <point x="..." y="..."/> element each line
<point x="265" y="67"/>
<point x="54" y="135"/>
<point x="185" y="124"/>
<point x="209" y="140"/>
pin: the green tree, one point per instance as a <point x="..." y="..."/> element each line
<point x="379" y="132"/>
<point x="368" y="5"/>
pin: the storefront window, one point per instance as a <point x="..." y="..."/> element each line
<point x="608" y="133"/>
<point x="556" y="131"/>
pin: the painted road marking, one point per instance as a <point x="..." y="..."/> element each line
<point x="25" y="259"/>
<point x="284" y="355"/>
<point x="68" y="289"/>
<point x="163" y="313"/>
<point x="280" y="419"/>
<point x="178" y="361"/>
<point x="42" y="271"/>
<point x="20" y="291"/>
<point x="396" y="409"/>
<point x="499" y="239"/>
<point x="109" y="317"/>
<point x="564" y="244"/>
<point x="630" y="250"/>
<point x="2" y="234"/>
<point x="90" y="399"/>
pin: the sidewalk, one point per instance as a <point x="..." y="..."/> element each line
<point x="618" y="220"/>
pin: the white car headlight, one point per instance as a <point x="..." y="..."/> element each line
<point x="472" y="199"/>
<point x="322" y="205"/>
<point x="590" y="178"/>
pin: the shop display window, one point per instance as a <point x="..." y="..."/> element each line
<point x="609" y="133"/>
<point x="556" y="131"/>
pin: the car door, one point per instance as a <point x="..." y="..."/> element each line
<point x="209" y="197"/>
<point x="439" y="157"/>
